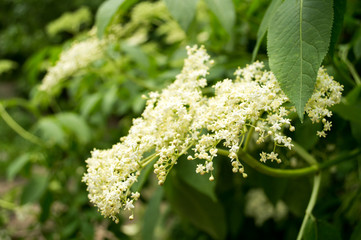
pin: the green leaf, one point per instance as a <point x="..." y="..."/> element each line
<point x="357" y="47"/>
<point x="320" y="230"/>
<point x="137" y="186"/>
<point x="186" y="171"/>
<point x="17" y="165"/>
<point x="348" y="112"/>
<point x="326" y="231"/>
<point x="182" y="11"/>
<point x="89" y="104"/>
<point x="298" y="38"/>
<point x="353" y="96"/>
<point x="138" y="104"/>
<point x="264" y="25"/>
<point x="109" y="99"/>
<point x="137" y="54"/>
<point x="310" y="232"/>
<point x="196" y="207"/>
<point x="75" y="124"/>
<point x="45" y="204"/>
<point x="273" y="187"/>
<point x="306" y="133"/>
<point x="225" y="12"/>
<point x="105" y="14"/>
<point x="339" y="9"/>
<point x="34" y="189"/>
<point x="51" y="131"/>
<point x="356" y="234"/>
<point x="297" y="195"/>
<point x="151" y="215"/>
<point x="356" y="131"/>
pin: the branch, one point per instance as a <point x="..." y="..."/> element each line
<point x="276" y="172"/>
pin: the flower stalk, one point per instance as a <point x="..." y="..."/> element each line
<point x="291" y="173"/>
<point x="311" y="204"/>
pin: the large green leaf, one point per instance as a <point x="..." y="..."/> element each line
<point x="182" y="11"/>
<point x="264" y="25"/>
<point x="225" y="12"/>
<point x="196" y="207"/>
<point x="298" y="38"/>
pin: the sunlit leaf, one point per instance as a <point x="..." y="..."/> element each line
<point x="182" y="11"/>
<point x="225" y="12"/>
<point x="105" y="14"/>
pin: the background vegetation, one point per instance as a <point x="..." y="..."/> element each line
<point x="45" y="138"/>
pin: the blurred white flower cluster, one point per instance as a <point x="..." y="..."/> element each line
<point x="77" y="57"/>
<point x="181" y="118"/>
<point x="261" y="209"/>
<point x="84" y="52"/>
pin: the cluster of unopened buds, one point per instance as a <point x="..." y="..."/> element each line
<point x="181" y="118"/>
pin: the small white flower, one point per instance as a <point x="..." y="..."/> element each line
<point x="129" y="205"/>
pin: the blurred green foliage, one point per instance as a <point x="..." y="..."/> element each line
<point x="41" y="193"/>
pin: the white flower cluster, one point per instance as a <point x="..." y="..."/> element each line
<point x="182" y="118"/>
<point x="110" y="175"/>
<point x="327" y="93"/>
<point x="163" y="126"/>
<point x="77" y="57"/>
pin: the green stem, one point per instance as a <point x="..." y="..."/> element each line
<point x="249" y="135"/>
<point x="343" y="55"/>
<point x="336" y="64"/>
<point x="17" y="128"/>
<point x="275" y="172"/>
<point x="311" y="204"/>
<point x="148" y="159"/>
<point x="19" y="102"/>
<point x="304" y="154"/>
